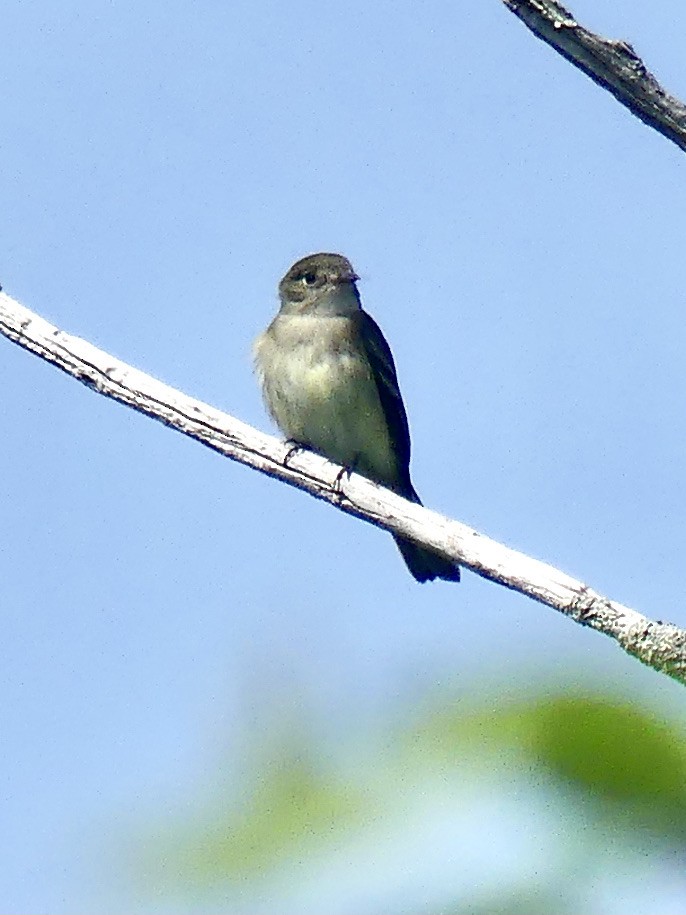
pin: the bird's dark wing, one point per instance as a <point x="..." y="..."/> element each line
<point x="383" y="369"/>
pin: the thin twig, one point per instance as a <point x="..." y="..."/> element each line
<point x="614" y="65"/>
<point x="659" y="645"/>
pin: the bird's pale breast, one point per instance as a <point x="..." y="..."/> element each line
<point x="320" y="390"/>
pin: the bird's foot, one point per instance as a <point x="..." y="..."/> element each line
<point x="293" y="448"/>
<point x="345" y="472"/>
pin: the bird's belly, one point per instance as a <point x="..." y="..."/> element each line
<point x="331" y="404"/>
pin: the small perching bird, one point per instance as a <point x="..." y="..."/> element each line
<point x="329" y="382"/>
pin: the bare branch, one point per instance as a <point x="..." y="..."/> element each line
<point x="614" y="65"/>
<point x="659" y="645"/>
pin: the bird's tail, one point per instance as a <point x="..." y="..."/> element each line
<point x="425" y="565"/>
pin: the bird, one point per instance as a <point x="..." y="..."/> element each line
<point x="329" y="383"/>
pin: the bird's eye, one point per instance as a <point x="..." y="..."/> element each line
<point x="309" y="279"/>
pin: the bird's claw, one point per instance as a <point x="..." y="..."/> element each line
<point x="293" y="448"/>
<point x="344" y="472"/>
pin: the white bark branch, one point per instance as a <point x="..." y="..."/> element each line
<point x="659" y="645"/>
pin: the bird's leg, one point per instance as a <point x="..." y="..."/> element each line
<point x="293" y="447"/>
<point x="345" y="471"/>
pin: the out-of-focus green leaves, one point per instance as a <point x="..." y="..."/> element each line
<point x="617" y="766"/>
<point x="611" y="751"/>
<point x="292" y="809"/>
<point x="618" y="753"/>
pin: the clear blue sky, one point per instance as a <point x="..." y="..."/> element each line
<point x="521" y="240"/>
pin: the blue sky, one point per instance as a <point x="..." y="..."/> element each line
<point x="520" y="240"/>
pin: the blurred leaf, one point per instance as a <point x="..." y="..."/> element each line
<point x="619" y="766"/>
<point x="614" y="752"/>
<point x="292" y="810"/>
<point x="619" y="753"/>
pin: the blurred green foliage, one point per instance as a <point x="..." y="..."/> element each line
<point x="611" y="764"/>
<point x="621" y="757"/>
<point x="290" y="809"/>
